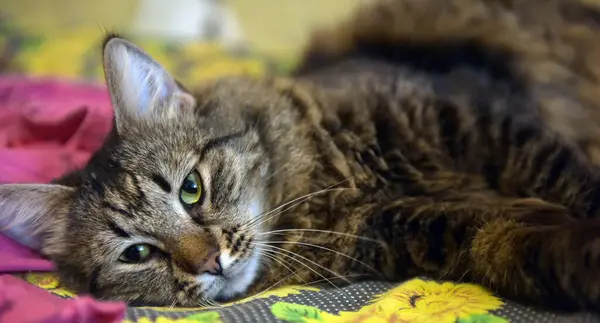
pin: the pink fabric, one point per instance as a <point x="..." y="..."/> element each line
<point x="14" y="257"/>
<point x="47" y="128"/>
<point x="21" y="302"/>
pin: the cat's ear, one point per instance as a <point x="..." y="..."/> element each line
<point x="28" y="212"/>
<point x="140" y="88"/>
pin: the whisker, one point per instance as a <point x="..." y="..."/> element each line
<point x="205" y="302"/>
<point x="330" y="250"/>
<point x="202" y="302"/>
<point x="274" y="285"/>
<point x="314" y="282"/>
<point x="303" y="258"/>
<point x="320" y="231"/>
<point x="213" y="303"/>
<point x="286" y="206"/>
<point x="306" y="196"/>
<point x="281" y="262"/>
<point x="268" y="177"/>
<point x="303" y="264"/>
<point x="278" y="250"/>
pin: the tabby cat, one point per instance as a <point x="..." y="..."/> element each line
<point x="453" y="139"/>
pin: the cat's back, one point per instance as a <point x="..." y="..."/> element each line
<point x="532" y="58"/>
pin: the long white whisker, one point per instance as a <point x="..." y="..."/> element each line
<point x="268" y="177"/>
<point x="330" y="250"/>
<point x="301" y="257"/>
<point x="286" y="206"/>
<point x="314" y="282"/>
<point x="274" y="285"/>
<point x="213" y="303"/>
<point x="306" y="196"/>
<point x="303" y="264"/>
<point x="277" y="250"/>
<point x="217" y="304"/>
<point x="281" y="262"/>
<point x="320" y="231"/>
<point x="202" y="302"/>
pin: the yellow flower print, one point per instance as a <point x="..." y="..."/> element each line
<point x="49" y="282"/>
<point x="416" y="301"/>
<point x="62" y="292"/>
<point x="43" y="280"/>
<point x="367" y="315"/>
<point x="429" y="301"/>
<point x="298" y="313"/>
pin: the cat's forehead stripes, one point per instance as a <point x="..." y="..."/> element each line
<point x="161" y="182"/>
<point x="117" y="230"/>
<point x="217" y="142"/>
<point x="116" y="209"/>
<point x="124" y="193"/>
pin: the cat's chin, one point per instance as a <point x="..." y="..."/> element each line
<point x="235" y="280"/>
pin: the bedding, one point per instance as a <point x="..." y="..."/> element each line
<point x="49" y="126"/>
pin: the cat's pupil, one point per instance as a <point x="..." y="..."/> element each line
<point x="189" y="186"/>
<point x="137" y="253"/>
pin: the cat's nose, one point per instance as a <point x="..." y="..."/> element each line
<point x="197" y="254"/>
<point x="212" y="265"/>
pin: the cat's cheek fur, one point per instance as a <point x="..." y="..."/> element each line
<point x="242" y="278"/>
<point x="256" y="208"/>
<point x="239" y="277"/>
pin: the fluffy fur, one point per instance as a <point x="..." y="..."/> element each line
<point x="454" y="139"/>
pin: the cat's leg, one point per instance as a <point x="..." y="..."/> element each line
<point x="524" y="249"/>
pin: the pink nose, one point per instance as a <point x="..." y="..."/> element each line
<point x="212" y="265"/>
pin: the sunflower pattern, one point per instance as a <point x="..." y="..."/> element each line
<point x="415" y="301"/>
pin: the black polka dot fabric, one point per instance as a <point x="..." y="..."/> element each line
<point x="417" y="300"/>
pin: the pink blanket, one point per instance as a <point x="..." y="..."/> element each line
<point x="47" y="128"/>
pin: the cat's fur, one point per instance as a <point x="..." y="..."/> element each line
<point x="455" y="138"/>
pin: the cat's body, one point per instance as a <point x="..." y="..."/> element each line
<point x="399" y="149"/>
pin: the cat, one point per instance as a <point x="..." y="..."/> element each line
<point x="451" y="139"/>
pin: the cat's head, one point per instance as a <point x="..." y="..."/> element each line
<point x="172" y="207"/>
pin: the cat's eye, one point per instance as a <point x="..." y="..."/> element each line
<point x="190" y="192"/>
<point x="137" y="253"/>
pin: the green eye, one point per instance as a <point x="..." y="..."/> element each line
<point x="137" y="253"/>
<point x="191" y="189"/>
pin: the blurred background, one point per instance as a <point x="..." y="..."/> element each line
<point x="195" y="39"/>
